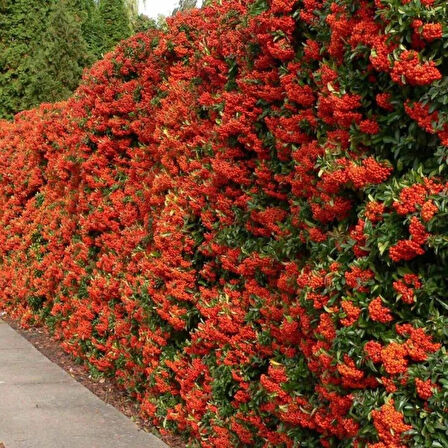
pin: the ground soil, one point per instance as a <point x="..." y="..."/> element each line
<point x="105" y="388"/>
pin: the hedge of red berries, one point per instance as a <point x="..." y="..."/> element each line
<point x="243" y="218"/>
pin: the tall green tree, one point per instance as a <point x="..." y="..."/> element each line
<point x="21" y="23"/>
<point x="132" y="10"/>
<point x="115" y="20"/>
<point x="144" y="23"/>
<point x="45" y="44"/>
<point x="87" y="13"/>
<point x="184" y="5"/>
<point x="59" y="60"/>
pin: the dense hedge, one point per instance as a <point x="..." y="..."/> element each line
<point x="243" y="218"/>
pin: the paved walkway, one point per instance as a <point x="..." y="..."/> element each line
<point x="41" y="406"/>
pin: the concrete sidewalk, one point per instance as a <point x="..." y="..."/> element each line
<point x="41" y="406"/>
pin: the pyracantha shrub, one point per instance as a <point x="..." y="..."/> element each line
<point x="243" y="218"/>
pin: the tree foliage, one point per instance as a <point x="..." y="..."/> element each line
<point x="20" y="22"/>
<point x="58" y="62"/>
<point x="45" y="44"/>
<point x="115" y="19"/>
<point x="185" y="5"/>
<point x="87" y="13"/>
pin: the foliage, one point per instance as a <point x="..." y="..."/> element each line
<point x="132" y="7"/>
<point x="20" y="22"/>
<point x="86" y="12"/>
<point x="44" y="45"/>
<point x="144" y="23"/>
<point x="185" y="5"/>
<point x="53" y="79"/>
<point x="243" y="218"/>
<point x="115" y="21"/>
